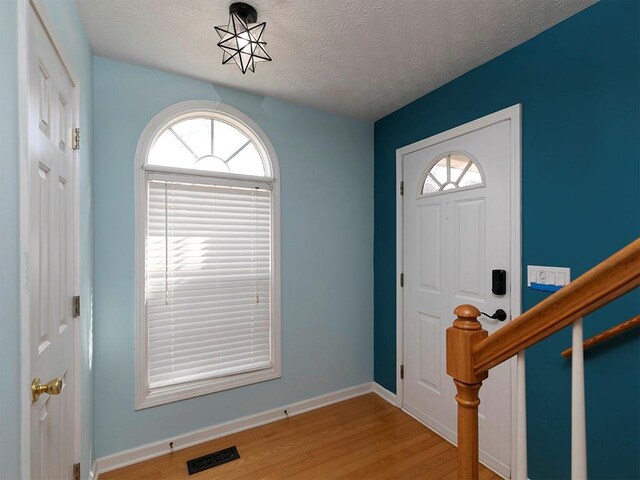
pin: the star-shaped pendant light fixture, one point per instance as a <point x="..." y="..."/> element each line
<point x="242" y="39"/>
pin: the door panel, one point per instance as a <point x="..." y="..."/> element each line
<point x="430" y="363"/>
<point x="469" y="249"/>
<point x="51" y="254"/>
<point x="453" y="238"/>
<point x="429" y="224"/>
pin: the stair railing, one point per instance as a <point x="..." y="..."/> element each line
<point x="633" y="322"/>
<point x="472" y="352"/>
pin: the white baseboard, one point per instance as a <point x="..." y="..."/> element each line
<point x="93" y="473"/>
<point x="152" y="450"/>
<point x="384" y="393"/>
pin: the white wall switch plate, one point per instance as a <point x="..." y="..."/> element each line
<point x="557" y="276"/>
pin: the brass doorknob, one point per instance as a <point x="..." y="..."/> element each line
<point x="54" y="387"/>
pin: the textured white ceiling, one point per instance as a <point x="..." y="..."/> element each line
<point x="362" y="58"/>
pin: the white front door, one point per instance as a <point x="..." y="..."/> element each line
<point x="51" y="255"/>
<point x="457" y="229"/>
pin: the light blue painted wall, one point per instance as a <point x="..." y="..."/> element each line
<point x="9" y="245"/>
<point x="65" y="19"/>
<point x="326" y="164"/>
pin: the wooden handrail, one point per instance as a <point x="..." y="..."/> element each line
<point x="607" y="281"/>
<point x="471" y="352"/>
<point x="607" y="334"/>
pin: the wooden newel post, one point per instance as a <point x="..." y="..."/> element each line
<point x="461" y="338"/>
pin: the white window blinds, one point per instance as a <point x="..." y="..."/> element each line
<point x="208" y="281"/>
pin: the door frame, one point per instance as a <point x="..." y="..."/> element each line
<point x="514" y="114"/>
<point x="24" y="26"/>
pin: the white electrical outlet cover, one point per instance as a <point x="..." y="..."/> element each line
<point x="558" y="276"/>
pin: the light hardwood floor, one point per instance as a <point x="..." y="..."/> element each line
<point x="361" y="438"/>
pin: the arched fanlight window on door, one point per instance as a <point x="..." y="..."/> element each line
<point x="450" y="172"/>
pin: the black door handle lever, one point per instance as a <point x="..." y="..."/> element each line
<point x="500" y="315"/>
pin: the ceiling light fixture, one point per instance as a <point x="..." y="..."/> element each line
<point x="242" y="39"/>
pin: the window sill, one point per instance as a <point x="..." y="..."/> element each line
<point x="170" y="394"/>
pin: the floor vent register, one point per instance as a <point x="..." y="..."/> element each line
<point x="212" y="460"/>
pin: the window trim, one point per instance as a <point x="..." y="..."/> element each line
<point x="144" y="398"/>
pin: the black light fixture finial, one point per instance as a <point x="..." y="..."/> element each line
<point x="244" y="11"/>
<point x="240" y="42"/>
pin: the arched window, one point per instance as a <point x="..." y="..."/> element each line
<point x="207" y="248"/>
<point x="452" y="171"/>
<point x="209" y="144"/>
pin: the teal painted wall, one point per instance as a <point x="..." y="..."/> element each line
<point x="65" y="19"/>
<point x="578" y="84"/>
<point x="326" y="165"/>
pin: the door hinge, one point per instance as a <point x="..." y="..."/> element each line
<point x="76" y="471"/>
<point x="75" y="139"/>
<point x="401" y="188"/>
<point x="402" y="279"/>
<point x="401" y="372"/>
<point x="76" y="306"/>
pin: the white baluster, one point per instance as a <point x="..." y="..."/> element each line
<point x="578" y="422"/>
<point x="521" y="422"/>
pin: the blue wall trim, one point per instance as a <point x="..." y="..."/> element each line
<point x="578" y="84"/>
